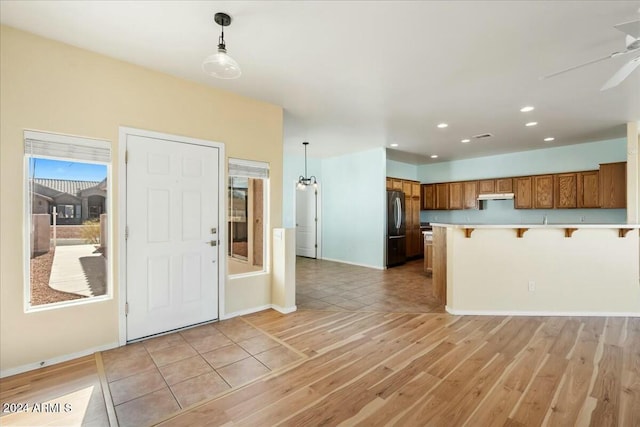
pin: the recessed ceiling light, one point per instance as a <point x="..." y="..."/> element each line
<point x="434" y="156"/>
<point x="394" y="145"/>
<point x="531" y="124"/>
<point x="527" y="109"/>
<point x="443" y="125"/>
<point x="549" y="139"/>
<point x="464" y="141"/>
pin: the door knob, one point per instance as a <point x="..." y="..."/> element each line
<point x="212" y="243"/>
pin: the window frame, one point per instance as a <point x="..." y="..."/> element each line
<point x="266" y="202"/>
<point x="27" y="218"/>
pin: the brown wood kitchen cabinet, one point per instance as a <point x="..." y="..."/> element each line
<point x="470" y="194"/>
<point x="613" y="185"/>
<point x="428" y="197"/>
<point x="487" y="186"/>
<point x="543" y="192"/>
<point x="523" y="192"/>
<point x="455" y="195"/>
<point x="413" y="226"/>
<point x="442" y="196"/>
<point x="566" y="190"/>
<point x="587" y="189"/>
<point x="504" y="185"/>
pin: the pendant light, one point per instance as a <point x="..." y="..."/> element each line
<point x="303" y="181"/>
<point x="220" y="64"/>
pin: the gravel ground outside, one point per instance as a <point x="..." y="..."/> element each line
<point x="41" y="293"/>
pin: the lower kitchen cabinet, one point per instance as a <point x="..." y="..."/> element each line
<point x="428" y="255"/>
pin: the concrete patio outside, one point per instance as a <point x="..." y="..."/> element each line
<point x="79" y="269"/>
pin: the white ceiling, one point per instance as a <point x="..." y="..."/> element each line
<point x="353" y="75"/>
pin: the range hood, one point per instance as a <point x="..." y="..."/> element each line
<point x="496" y="196"/>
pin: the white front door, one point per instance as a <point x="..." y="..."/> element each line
<point x="306" y="222"/>
<point x="172" y="220"/>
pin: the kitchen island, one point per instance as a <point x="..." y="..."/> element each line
<point x="537" y="269"/>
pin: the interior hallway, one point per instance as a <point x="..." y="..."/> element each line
<point x="327" y="285"/>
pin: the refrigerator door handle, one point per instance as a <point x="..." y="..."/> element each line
<point x="398" y="213"/>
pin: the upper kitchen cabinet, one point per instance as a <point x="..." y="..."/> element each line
<point x="455" y="195"/>
<point x="470" y="194"/>
<point x="415" y="190"/>
<point x="406" y="188"/>
<point x="396" y="184"/>
<point x="487" y="186"/>
<point x="442" y="196"/>
<point x="543" y="192"/>
<point x="566" y="193"/>
<point x="504" y="185"/>
<point x="523" y="192"/>
<point x="613" y="185"/>
<point x="587" y="189"/>
<point x="428" y="197"/>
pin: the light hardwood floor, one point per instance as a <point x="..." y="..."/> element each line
<point x="441" y="370"/>
<point x="406" y="368"/>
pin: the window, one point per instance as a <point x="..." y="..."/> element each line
<point x="246" y="216"/>
<point x="67" y="184"/>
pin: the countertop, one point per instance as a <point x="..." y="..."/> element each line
<point x="551" y="225"/>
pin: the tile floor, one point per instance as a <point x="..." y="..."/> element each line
<point x="157" y="377"/>
<point x="152" y="379"/>
<point x="327" y="285"/>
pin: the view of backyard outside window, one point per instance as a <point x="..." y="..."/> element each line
<point x="68" y="230"/>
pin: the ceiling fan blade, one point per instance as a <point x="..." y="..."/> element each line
<point x="580" y="66"/>
<point x="622" y="74"/>
<point x="631" y="28"/>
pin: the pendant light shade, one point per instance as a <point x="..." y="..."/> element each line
<point x="303" y="181"/>
<point x="220" y="64"/>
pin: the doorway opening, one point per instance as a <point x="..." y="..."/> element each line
<point x="308" y="223"/>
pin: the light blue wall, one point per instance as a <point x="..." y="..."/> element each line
<point x="353" y="207"/>
<point x="568" y="158"/>
<point x="557" y="159"/>
<point x="402" y="170"/>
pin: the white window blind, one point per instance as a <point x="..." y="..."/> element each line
<point x="248" y="168"/>
<point x="66" y="147"/>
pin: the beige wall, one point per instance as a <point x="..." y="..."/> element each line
<point x="54" y="87"/>
<point x="595" y="271"/>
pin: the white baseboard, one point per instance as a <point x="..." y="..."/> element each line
<point x="539" y="313"/>
<point x="55" y="360"/>
<point x="354" y="263"/>
<point x="283" y="310"/>
<point x="245" y="311"/>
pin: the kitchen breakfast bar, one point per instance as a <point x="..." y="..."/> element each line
<point x="536" y="269"/>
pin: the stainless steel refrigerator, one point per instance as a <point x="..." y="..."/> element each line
<point x="396" y="238"/>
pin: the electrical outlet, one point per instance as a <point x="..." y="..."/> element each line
<point x="532" y="286"/>
<point x="582" y="218"/>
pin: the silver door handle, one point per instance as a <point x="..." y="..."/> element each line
<point x="212" y="243"/>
